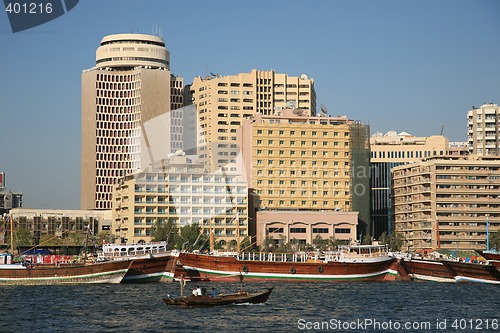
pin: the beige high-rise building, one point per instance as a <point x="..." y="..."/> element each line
<point x="447" y="203"/>
<point x="390" y="150"/>
<point x="129" y="86"/>
<point x="483" y="125"/>
<point x="404" y="148"/>
<point x="223" y="102"/>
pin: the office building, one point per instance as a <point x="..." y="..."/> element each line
<point x="126" y="99"/>
<point x="8" y="199"/>
<point x="61" y="223"/>
<point x="386" y="152"/>
<point x="223" y="102"/>
<point x="449" y="203"/>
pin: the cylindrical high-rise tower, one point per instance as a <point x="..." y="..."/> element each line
<point x="129" y="85"/>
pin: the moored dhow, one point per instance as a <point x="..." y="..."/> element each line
<point x="151" y="262"/>
<point x="473" y="272"/>
<point x="492" y="256"/>
<point x="32" y="274"/>
<point x="427" y="270"/>
<point x="334" y="266"/>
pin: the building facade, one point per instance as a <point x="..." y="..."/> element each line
<point x="303" y="227"/>
<point x="8" y="199"/>
<point x="55" y="222"/>
<point x="483" y="130"/>
<point x="185" y="194"/>
<point x="458" y="149"/>
<point x="298" y="162"/>
<point x="121" y="96"/>
<point x="223" y="102"/>
<point x="447" y="203"/>
<point x="386" y="152"/>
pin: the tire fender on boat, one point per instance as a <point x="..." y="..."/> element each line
<point x="320" y="269"/>
<point x="245" y="269"/>
<point x="292" y="270"/>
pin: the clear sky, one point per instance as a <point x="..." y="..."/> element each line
<point x="397" y="65"/>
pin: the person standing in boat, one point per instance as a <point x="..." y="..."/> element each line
<point x="214" y="292"/>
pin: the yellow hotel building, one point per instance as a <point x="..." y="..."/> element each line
<point x="295" y="161"/>
<point x="184" y="193"/>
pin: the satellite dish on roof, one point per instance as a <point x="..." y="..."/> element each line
<point x="303" y="77"/>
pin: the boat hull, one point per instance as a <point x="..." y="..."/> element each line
<point x="428" y="270"/>
<point x="106" y="272"/>
<point x="199" y="267"/>
<point x="206" y="301"/>
<point x="493" y="258"/>
<point x="155" y="269"/>
<point x="471" y="272"/>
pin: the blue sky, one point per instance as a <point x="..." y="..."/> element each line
<point x="398" y="65"/>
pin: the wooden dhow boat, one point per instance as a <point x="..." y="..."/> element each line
<point x="349" y="264"/>
<point x="427" y="270"/>
<point x="32" y="274"/>
<point x="152" y="262"/>
<point x="492" y="256"/>
<point x="473" y="272"/>
<point x="240" y="297"/>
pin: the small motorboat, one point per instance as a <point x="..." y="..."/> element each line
<point x="239" y="297"/>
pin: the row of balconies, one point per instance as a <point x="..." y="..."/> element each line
<point x="473" y="217"/>
<point x="452" y="228"/>
<point x="238" y="201"/>
<point x="461" y="190"/>
<point x="194" y="213"/>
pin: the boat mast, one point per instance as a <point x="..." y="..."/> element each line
<point x="238" y="231"/>
<point x="11" y="233"/>
<point x="212" y="246"/>
<point x="487" y="234"/>
<point x="85" y="244"/>
<point x="437" y="233"/>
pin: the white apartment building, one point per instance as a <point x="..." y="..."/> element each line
<point x="185" y="193"/>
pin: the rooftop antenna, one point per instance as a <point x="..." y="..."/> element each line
<point x="442" y="129"/>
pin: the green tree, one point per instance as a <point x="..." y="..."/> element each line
<point x="384" y="238"/>
<point x="166" y="231"/>
<point x="320" y="243"/>
<point x="191" y="238"/>
<point x="50" y="240"/>
<point x="23" y="237"/>
<point x="367" y="239"/>
<point x="106" y="236"/>
<point x="268" y="245"/>
<point x="333" y="243"/>
<point x="246" y="245"/>
<point x="76" y="238"/>
<point x="495" y="240"/>
<point x="395" y="241"/>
